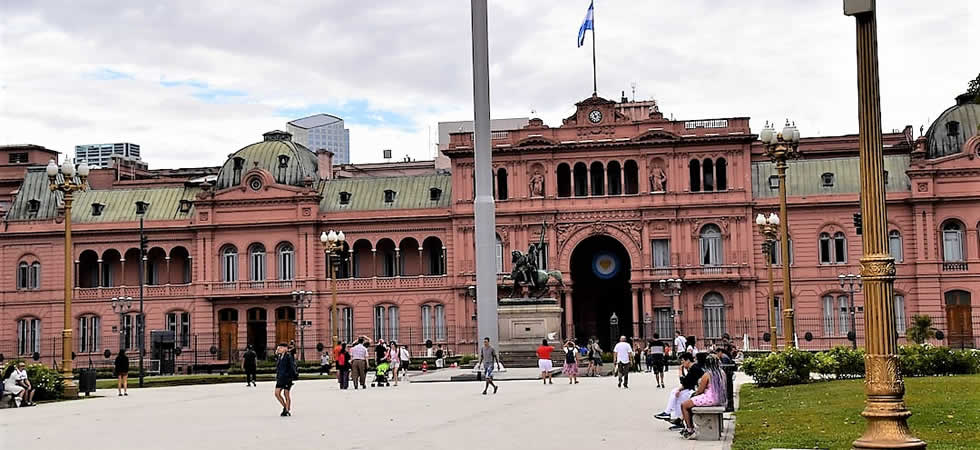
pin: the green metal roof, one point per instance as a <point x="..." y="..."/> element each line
<point x="805" y="177"/>
<point x="265" y="155"/>
<point x="120" y="204"/>
<point x="940" y="142"/>
<point x="411" y="192"/>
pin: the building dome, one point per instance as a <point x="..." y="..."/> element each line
<point x="953" y="128"/>
<point x="288" y="162"/>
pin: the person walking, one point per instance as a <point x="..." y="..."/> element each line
<point x="286" y="374"/>
<point x="325" y="363"/>
<point x="488" y="360"/>
<point x="596" y="358"/>
<point x="624" y="357"/>
<point x="680" y="344"/>
<point x="394" y="360"/>
<point x="249" y="366"/>
<point x="121" y="368"/>
<point x="544" y="361"/>
<point x="405" y="359"/>
<point x="358" y="356"/>
<point x="657" y="359"/>
<point x="571" y="362"/>
<point x="343" y="366"/>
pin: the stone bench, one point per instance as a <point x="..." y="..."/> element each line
<point x="708" y="422"/>
<point x="8" y="400"/>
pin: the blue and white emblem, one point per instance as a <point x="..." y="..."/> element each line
<point x="605" y="265"/>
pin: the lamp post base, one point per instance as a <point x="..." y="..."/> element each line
<point x="887" y="426"/>
<point x="70" y="388"/>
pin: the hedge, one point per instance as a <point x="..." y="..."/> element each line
<point x="794" y="366"/>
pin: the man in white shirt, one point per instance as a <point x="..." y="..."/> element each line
<point x="624" y="358"/>
<point x="680" y="344"/>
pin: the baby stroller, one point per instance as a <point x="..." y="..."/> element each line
<point x="381" y="374"/>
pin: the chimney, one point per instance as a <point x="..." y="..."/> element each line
<point x="324" y="163"/>
<point x="623" y="98"/>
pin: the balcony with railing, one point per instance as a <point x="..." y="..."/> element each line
<point x="955" y="266"/>
<point x="166" y="290"/>
<point x="712" y="272"/>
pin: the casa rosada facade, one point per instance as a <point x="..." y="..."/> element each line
<point x="618" y="197"/>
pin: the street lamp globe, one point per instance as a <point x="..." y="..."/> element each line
<point x="68" y="169"/>
<point x="796" y="134"/>
<point x="340" y="237"/>
<point x="324" y="238"/>
<point x="766" y="133"/>
<point x="760" y="219"/>
<point x="332" y="236"/>
<point x="787" y="131"/>
<point x="83" y="170"/>
<point x="773" y="219"/>
<point x="52" y="169"/>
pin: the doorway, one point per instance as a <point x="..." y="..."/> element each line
<point x="256" y="331"/>
<point x="958" y="316"/>
<point x="600" y="268"/>
<point x="285" y="324"/>
<point x="227" y="334"/>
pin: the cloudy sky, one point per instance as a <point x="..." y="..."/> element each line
<point x="194" y="81"/>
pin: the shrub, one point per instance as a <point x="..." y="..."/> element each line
<point x="921" y="329"/>
<point x="47" y="382"/>
<point x="841" y="362"/>
<point x="784" y="368"/>
<point x="928" y="360"/>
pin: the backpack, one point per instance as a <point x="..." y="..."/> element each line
<point x="570" y="356"/>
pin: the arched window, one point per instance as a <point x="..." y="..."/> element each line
<point x="256" y="262"/>
<point x="229" y="263"/>
<point x="386" y="322"/>
<point x="631" y="177"/>
<point x="840" y="248"/>
<point x="28" y="335"/>
<point x="286" y="261"/>
<point x="953" y="241"/>
<point x="23" y="270"/>
<point x="499" y="253"/>
<point x="581" y="179"/>
<point x="721" y="174"/>
<point x="501" y="184"/>
<point x="714" y="315"/>
<point x="895" y="245"/>
<point x="88" y="333"/>
<point x="710" y="246"/>
<point x="824" y="248"/>
<point x="180" y="323"/>
<point x="695" y="180"/>
<point x="564" y="175"/>
<point x="598" y="179"/>
<point x="434" y="322"/>
<point x="708" y="169"/>
<point x="614" y="177"/>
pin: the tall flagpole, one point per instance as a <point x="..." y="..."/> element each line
<point x="595" y="89"/>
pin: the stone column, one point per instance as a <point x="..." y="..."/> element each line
<point x="374" y="263"/>
<point x="398" y="262"/>
<point x="99" y="276"/>
<point x="637" y="317"/>
<point x="168" y="269"/>
<point x="122" y="271"/>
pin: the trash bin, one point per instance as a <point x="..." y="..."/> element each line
<point x="86" y="381"/>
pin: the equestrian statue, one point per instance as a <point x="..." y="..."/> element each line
<point x="525" y="273"/>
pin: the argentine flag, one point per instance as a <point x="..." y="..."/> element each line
<point x="586" y="25"/>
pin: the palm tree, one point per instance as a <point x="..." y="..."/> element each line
<point x="921" y="329"/>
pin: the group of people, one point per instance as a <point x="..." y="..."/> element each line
<point x="570" y="356"/>
<point x="352" y="360"/>
<point x="16" y="383"/>
<point x="705" y="381"/>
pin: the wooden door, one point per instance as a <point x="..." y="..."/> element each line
<point x="958" y="316"/>
<point x="227" y="340"/>
<point x="285" y="324"/>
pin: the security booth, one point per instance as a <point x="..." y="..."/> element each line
<point x="162" y="350"/>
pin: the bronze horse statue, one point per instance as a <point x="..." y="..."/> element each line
<point x="526" y="273"/>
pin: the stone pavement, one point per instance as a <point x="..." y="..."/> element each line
<point x="524" y="414"/>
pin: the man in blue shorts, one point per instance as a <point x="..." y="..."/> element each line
<point x="488" y="360"/>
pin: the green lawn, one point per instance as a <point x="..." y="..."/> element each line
<point x="182" y="380"/>
<point x="945" y="414"/>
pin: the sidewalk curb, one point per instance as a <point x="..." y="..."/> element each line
<point x="728" y="436"/>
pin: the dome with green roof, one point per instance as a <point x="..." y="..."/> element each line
<point x="289" y="162"/>
<point x="953" y="128"/>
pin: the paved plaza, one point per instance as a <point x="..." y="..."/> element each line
<point x="523" y="415"/>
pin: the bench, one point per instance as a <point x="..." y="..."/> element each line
<point x="8" y="400"/>
<point x="708" y="422"/>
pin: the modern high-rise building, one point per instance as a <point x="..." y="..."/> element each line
<point x="323" y="131"/>
<point x="101" y="154"/>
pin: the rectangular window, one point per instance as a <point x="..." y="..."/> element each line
<point x="499" y="251"/>
<point x="22" y="274"/>
<point x="28" y="336"/>
<point x="828" y="316"/>
<point x="346" y="324"/>
<point x="393" y="323"/>
<point x="824" y="250"/>
<point x="777" y="304"/>
<point x="426" y="322"/>
<point x="379" y="323"/>
<point x="18" y="158"/>
<point x="440" y="323"/>
<point x="844" y="316"/>
<point x="840" y="249"/>
<point x="661" y="253"/>
<point x="952" y="246"/>
<point x="776" y="257"/>
<point x="230" y="266"/>
<point x="132" y="328"/>
<point x="88" y="334"/>
<point x="664" y="323"/>
<point x="258" y="266"/>
<point x="900" y="314"/>
<point x="895" y="246"/>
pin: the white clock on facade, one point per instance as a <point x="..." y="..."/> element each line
<point x="595" y="116"/>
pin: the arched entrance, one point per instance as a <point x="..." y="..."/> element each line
<point x="255" y="331"/>
<point x="600" y="269"/>
<point x="958" y="316"/>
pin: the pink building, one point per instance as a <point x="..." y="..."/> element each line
<point x="628" y="198"/>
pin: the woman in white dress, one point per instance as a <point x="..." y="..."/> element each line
<point x="16" y="382"/>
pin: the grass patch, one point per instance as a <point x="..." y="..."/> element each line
<point x="945" y="414"/>
<point x="185" y="380"/>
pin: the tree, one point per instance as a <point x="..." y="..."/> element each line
<point x="921" y="329"/>
<point x="973" y="88"/>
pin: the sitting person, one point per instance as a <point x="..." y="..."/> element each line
<point x="690" y="374"/>
<point x="711" y="392"/>
<point x="16" y="382"/>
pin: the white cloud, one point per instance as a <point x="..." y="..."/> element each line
<point x="700" y="59"/>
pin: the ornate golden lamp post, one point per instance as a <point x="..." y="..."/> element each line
<point x="884" y="407"/>
<point x="767" y="227"/>
<point x="67" y="186"/>
<point x="781" y="147"/>
<point x="333" y="244"/>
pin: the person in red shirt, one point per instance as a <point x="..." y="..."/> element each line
<point x="544" y="361"/>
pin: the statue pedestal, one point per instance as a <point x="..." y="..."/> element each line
<point x="523" y="322"/>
